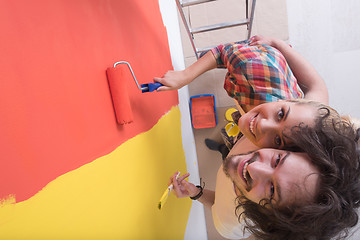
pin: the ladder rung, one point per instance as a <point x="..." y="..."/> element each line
<point x="193" y="2"/>
<point x="219" y="26"/>
<point x="200" y="50"/>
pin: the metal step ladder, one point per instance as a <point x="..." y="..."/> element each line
<point x="248" y="21"/>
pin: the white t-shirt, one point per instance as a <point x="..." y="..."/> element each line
<point x="223" y="210"/>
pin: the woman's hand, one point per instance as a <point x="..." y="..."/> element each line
<point x="172" y="80"/>
<point x="183" y="188"/>
<point x="258" y="39"/>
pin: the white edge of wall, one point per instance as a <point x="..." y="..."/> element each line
<point x="196" y="225"/>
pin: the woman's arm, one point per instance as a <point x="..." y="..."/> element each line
<point x="177" y="79"/>
<point x="308" y="78"/>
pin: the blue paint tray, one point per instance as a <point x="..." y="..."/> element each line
<point x="203" y="111"/>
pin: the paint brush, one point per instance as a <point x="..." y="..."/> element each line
<point x="166" y="194"/>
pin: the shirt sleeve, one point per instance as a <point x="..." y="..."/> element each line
<point x="218" y="53"/>
<point x="224" y="51"/>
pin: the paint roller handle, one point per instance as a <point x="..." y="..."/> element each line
<point x="149" y="87"/>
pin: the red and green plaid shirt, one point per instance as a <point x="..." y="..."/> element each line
<point x="256" y="74"/>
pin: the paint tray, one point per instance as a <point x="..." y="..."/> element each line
<point x="203" y="111"/>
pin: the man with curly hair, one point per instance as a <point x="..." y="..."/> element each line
<point x="276" y="194"/>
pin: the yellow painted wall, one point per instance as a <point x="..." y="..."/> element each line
<point x="113" y="197"/>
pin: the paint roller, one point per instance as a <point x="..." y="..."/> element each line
<point x="117" y="76"/>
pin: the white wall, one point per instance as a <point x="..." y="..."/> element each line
<point x="327" y="33"/>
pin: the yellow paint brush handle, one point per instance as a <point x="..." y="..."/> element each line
<point x="166" y="193"/>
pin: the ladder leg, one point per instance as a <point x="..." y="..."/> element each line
<point x="191" y="36"/>
<point x="251" y="17"/>
<point x="247" y="9"/>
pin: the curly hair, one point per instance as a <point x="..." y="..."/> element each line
<point x="331" y="145"/>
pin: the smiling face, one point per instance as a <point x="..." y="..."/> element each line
<point x="277" y="175"/>
<point x="266" y="124"/>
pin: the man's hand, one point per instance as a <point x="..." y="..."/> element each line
<point x="183" y="188"/>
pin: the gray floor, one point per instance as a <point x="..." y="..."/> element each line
<point x="209" y="163"/>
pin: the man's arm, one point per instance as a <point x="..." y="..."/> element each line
<point x="177" y="79"/>
<point x="208" y="198"/>
<point x="308" y="78"/>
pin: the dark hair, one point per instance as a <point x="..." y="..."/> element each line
<point x="333" y="150"/>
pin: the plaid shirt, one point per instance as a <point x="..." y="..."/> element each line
<point x="256" y="74"/>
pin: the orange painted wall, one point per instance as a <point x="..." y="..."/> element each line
<point x="55" y="104"/>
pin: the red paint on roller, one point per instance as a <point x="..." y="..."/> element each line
<point x="119" y="77"/>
